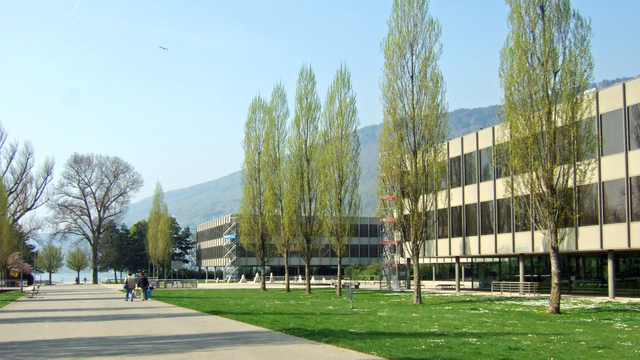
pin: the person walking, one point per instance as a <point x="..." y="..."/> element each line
<point x="131" y="287"/>
<point x="143" y="284"/>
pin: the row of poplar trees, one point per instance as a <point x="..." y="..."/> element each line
<point x="547" y="121"/>
<point x="300" y="182"/>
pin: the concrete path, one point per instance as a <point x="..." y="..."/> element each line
<point x="85" y="321"/>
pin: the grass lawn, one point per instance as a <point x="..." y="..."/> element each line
<point x="7" y="297"/>
<point x="444" y="327"/>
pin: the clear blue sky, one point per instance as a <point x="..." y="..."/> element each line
<point x="89" y="76"/>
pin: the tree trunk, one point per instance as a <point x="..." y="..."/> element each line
<point x="263" y="281"/>
<point x="417" y="293"/>
<point x="308" y="278"/>
<point x="287" y="287"/>
<point x="554" y="298"/>
<point x="78" y="278"/>
<point x="115" y="275"/>
<point x="94" y="248"/>
<point x="50" y="279"/>
<point x="339" y="289"/>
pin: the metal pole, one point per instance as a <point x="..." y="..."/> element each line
<point x="21" y="247"/>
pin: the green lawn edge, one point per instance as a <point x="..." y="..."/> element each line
<point x="7" y="297"/>
<point x="386" y="324"/>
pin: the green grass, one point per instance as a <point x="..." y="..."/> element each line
<point x="444" y="327"/>
<point x="7" y="297"/>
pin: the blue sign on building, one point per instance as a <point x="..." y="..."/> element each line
<point x="229" y="236"/>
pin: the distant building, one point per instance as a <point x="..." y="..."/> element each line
<point x="218" y="247"/>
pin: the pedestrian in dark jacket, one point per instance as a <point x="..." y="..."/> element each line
<point x="143" y="284"/>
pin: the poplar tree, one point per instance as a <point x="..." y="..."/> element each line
<point x="415" y="125"/>
<point x="50" y="259"/>
<point x="275" y="142"/>
<point x="8" y="238"/>
<point x="341" y="165"/>
<point x="545" y="68"/>
<point x="254" y="234"/>
<point x="303" y="205"/>
<point x="159" y="240"/>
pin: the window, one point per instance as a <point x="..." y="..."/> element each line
<point x="456" y="172"/>
<point x="456" y="221"/>
<point x="635" y="198"/>
<point x="613" y="197"/>
<point x="612" y="132"/>
<point x="588" y="125"/>
<point x="445" y="176"/>
<point x="504" y="216"/>
<point x="564" y="145"/>
<point x="633" y="115"/>
<point x="325" y="250"/>
<point x="501" y="160"/>
<point x="364" y="251"/>
<point x="588" y="205"/>
<point x="374" y="251"/>
<point x="522" y="214"/>
<point x="354" y="230"/>
<point x="486" y="218"/>
<point x="470" y="170"/>
<point x="431" y="225"/>
<point x="354" y="251"/>
<point x="486" y="164"/>
<point x="373" y="230"/>
<point x="471" y="216"/>
<point x="364" y="230"/>
<point x="443" y="224"/>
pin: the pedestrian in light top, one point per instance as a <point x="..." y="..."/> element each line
<point x="131" y="287"/>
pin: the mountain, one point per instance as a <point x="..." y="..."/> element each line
<point x="201" y="203"/>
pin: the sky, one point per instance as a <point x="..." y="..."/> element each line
<point x="91" y="76"/>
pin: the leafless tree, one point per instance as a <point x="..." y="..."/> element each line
<point x="26" y="184"/>
<point x="92" y="190"/>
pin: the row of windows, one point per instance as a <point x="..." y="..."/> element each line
<point x="481" y="219"/>
<point x="357" y="230"/>
<point x="479" y="165"/>
<point x="613" y="131"/>
<point x="324" y="251"/>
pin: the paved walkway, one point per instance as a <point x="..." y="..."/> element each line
<point x="85" y="321"/>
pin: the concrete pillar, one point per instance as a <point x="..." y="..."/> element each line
<point x="457" y="268"/>
<point x="612" y="274"/>
<point x="207" y="275"/>
<point x="521" y="270"/>
<point x="434" y="271"/>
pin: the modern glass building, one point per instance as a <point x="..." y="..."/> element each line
<point x="218" y="246"/>
<point x="478" y="229"/>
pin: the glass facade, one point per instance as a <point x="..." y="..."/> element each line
<point x="471" y="217"/>
<point x="522" y="215"/>
<point x="633" y="114"/>
<point x="504" y="216"/>
<point x="443" y="223"/>
<point x="612" y="126"/>
<point x="456" y="221"/>
<point x="635" y="197"/>
<point x="613" y="198"/>
<point x="486" y="164"/>
<point x="588" y="205"/>
<point x="455" y="171"/>
<point x="486" y="218"/>
<point x="502" y="167"/>
<point x="470" y="169"/>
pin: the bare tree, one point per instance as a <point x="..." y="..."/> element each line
<point x="26" y="185"/>
<point x="92" y="190"/>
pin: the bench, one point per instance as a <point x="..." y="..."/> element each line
<point x="448" y="286"/>
<point x="34" y="291"/>
<point x="356" y="285"/>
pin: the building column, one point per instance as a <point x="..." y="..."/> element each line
<point x="521" y="270"/>
<point x="457" y="268"/>
<point x="434" y="271"/>
<point x="207" y="274"/>
<point x="612" y="274"/>
<point x="408" y="274"/>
